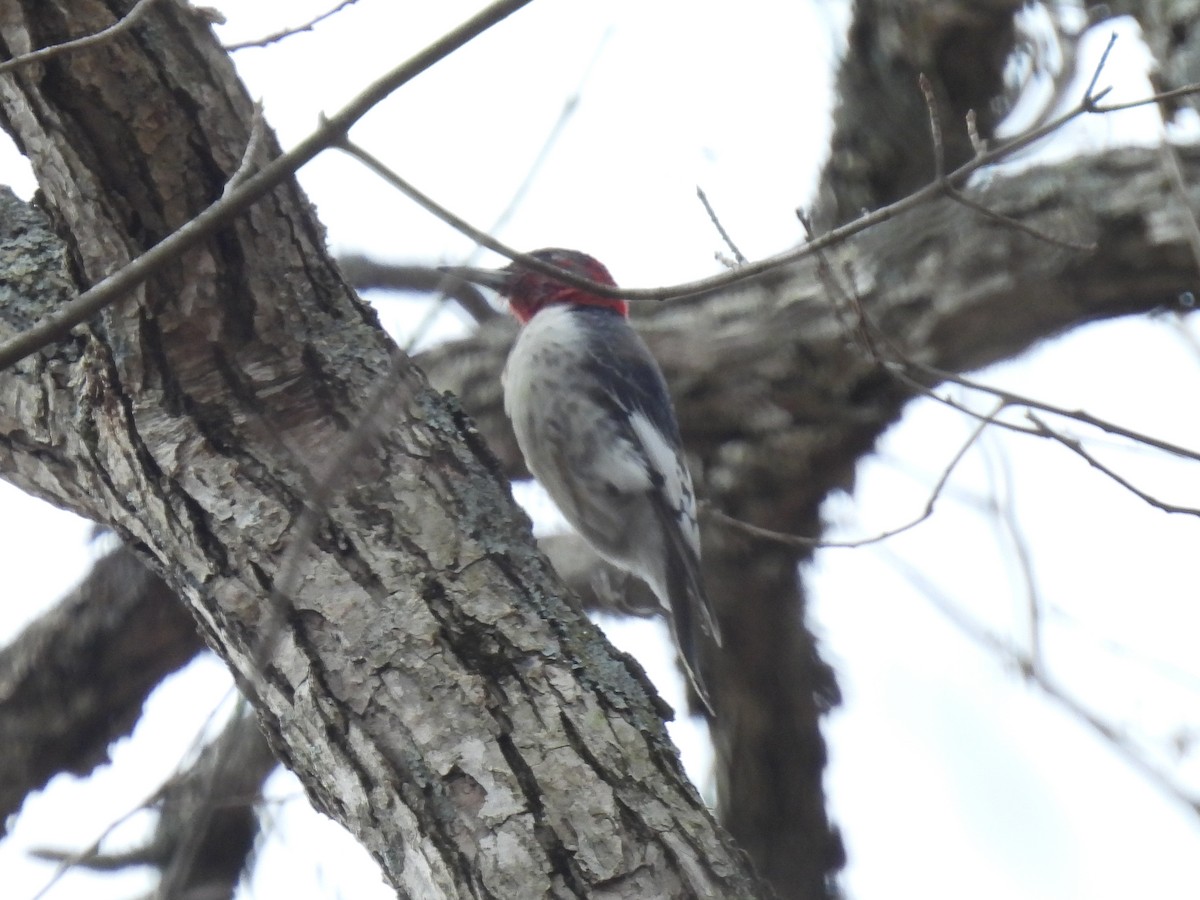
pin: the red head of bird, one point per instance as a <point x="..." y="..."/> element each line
<point x="528" y="290"/>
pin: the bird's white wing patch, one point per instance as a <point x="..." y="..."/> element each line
<point x="677" y="482"/>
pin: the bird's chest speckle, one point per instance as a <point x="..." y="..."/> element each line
<point x="561" y="423"/>
<point x="545" y="386"/>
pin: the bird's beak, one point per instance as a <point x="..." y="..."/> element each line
<point x="496" y="279"/>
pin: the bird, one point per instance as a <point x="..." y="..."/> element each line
<point x="594" y="421"/>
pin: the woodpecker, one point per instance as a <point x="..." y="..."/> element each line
<point x="595" y="424"/>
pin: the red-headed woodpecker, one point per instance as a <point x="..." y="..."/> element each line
<point x="595" y="424"/>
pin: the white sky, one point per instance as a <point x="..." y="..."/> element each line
<point x="949" y="776"/>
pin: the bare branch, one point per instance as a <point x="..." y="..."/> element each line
<point x="957" y="195"/>
<point x="1090" y="96"/>
<point x="1076" y="447"/>
<point x="365" y="273"/>
<point x="245" y="169"/>
<point x="288" y="32"/>
<point x="1011" y="398"/>
<point x="117" y="286"/>
<point x="791" y="540"/>
<point x="122" y="24"/>
<point x="935" y="127"/>
<point x="738" y="256"/>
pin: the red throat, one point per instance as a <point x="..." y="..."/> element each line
<point x="530" y="291"/>
<point x="527" y="306"/>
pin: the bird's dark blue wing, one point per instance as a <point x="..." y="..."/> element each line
<point x="620" y="362"/>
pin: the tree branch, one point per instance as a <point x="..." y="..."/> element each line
<point x="105" y="646"/>
<point x="204" y="224"/>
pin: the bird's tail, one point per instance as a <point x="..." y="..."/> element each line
<point x="691" y="615"/>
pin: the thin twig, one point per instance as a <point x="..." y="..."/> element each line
<point x="1091" y="88"/>
<point x="461" y="225"/>
<point x="753" y="269"/>
<point x="978" y="144"/>
<point x="793" y="540"/>
<point x="288" y="32"/>
<point x="118" y="285"/>
<point x="69" y="861"/>
<point x="1006" y="516"/>
<point x="122" y="24"/>
<point x="431" y="206"/>
<point x="738" y="256"/>
<point x="923" y="389"/>
<point x="1184" y="91"/>
<point x="984" y="636"/>
<point x="1076" y="447"/>
<point x="258" y="131"/>
<point x="939" y="166"/>
<point x="447" y="286"/>
<point x="844" y="297"/>
<point x="935" y="127"/>
<point x="1011" y="398"/>
<point x="959" y="197"/>
<point x="901" y="366"/>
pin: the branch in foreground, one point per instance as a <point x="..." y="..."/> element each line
<point x="333" y="132"/>
<point x="116" y="286"/>
<point x="91" y="40"/>
<point x="289" y="32"/>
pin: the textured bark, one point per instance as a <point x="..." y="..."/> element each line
<point x="426" y="680"/>
<point x="75" y="680"/>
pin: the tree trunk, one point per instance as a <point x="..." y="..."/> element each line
<point x="372" y="586"/>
